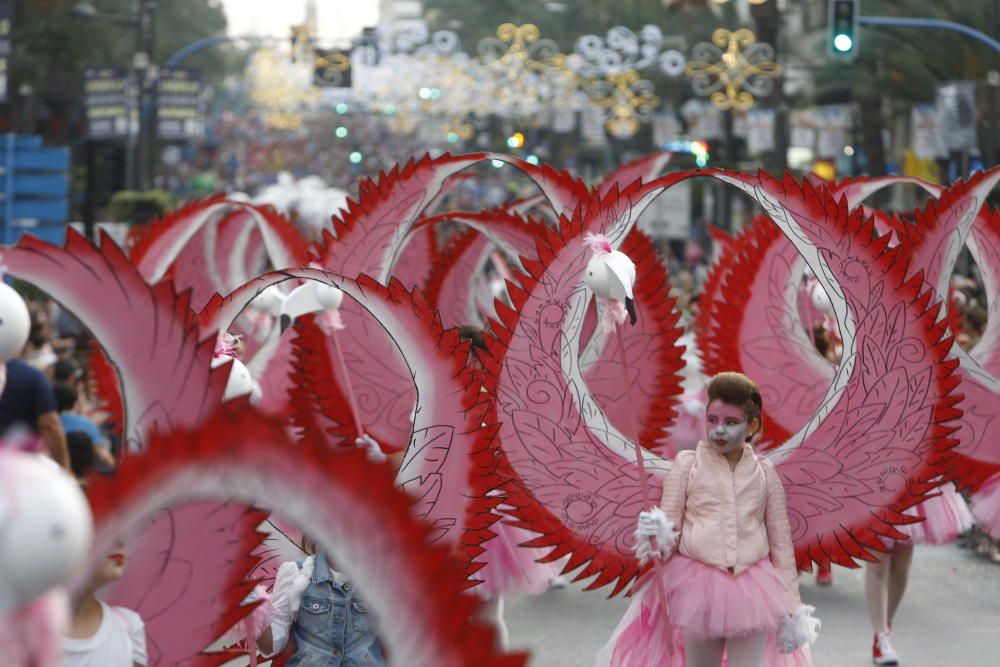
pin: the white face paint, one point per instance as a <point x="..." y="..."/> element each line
<point x="726" y="427"/>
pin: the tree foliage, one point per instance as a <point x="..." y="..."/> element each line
<point x="51" y="48"/>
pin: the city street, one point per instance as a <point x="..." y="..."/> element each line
<point x="950" y="616"/>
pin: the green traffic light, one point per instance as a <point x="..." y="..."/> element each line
<point x="843" y="43"/>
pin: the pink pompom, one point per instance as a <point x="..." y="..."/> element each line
<point x="598" y="243"/>
<point x="225" y="345"/>
<point x="32" y="635"/>
<point x="330" y="321"/>
<point x="253" y="626"/>
<point x="613" y="314"/>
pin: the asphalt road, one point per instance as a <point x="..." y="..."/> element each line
<point x="949" y="617"/>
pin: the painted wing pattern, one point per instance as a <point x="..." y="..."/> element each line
<point x="885" y="428"/>
<point x="348" y="505"/>
<point x="162" y="366"/>
<point x="755" y="329"/>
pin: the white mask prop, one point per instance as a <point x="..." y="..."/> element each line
<point x="240" y="383"/>
<point x="45" y="528"/>
<point x="269" y="301"/>
<point x="611" y="274"/>
<point x="821" y="300"/>
<point x="311" y="297"/>
<point x="726" y="427"/>
<point x="15" y="323"/>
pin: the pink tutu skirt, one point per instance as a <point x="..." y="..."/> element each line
<point x="944" y="518"/>
<point x="512" y="569"/>
<point x="986" y="506"/>
<point x="705" y="603"/>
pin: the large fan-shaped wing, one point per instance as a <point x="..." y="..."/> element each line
<point x="147" y="333"/>
<point x="449" y="287"/>
<point x="447" y="447"/>
<point x="645" y="168"/>
<point x="346" y="504"/>
<point x="862" y="187"/>
<point x="168" y="238"/>
<point x="186" y="570"/>
<point x="984" y="244"/>
<point x="882" y="432"/>
<point x="754" y="328"/>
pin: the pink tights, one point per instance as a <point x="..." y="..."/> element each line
<point x="745" y="651"/>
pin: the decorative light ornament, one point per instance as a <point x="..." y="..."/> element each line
<point x="733" y="69"/>
<point x="528" y="73"/>
<point x="622" y="49"/>
<point x="628" y="99"/>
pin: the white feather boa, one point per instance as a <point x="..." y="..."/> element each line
<point x="797" y="629"/>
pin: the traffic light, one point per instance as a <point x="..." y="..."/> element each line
<point x="842" y="28"/>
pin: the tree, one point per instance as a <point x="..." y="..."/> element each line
<point x="903" y="65"/>
<point x="51" y="48"/>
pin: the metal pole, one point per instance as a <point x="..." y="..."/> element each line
<point x="904" y="22"/>
<point x="993" y="80"/>
<point x="152" y="81"/>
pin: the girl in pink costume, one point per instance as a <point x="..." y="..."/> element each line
<point x="730" y="575"/>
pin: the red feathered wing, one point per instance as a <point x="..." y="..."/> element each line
<point x="348" y="505"/>
<point x="883" y="431"/>
<point x="447" y="447"/>
<point x="147" y="333"/>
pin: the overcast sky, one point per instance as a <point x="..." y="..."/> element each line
<point x="337" y="18"/>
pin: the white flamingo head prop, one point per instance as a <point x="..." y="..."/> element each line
<point x="311" y="297"/>
<point x="14" y="323"/>
<point x="821" y="300"/>
<point x="45" y="528"/>
<point x="610" y="273"/>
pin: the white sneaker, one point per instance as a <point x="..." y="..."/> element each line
<point x="882" y="652"/>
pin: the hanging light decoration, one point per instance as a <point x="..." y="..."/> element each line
<point x="733" y="69"/>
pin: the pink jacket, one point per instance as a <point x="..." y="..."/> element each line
<point x="730" y="519"/>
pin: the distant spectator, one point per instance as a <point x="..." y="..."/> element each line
<point x="82" y="454"/>
<point x="39" y="352"/>
<point x="28" y="402"/>
<point x="66" y="370"/>
<point x="74" y="422"/>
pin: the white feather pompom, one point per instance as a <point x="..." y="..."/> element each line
<point x="798" y="629"/>
<point x="654" y="524"/>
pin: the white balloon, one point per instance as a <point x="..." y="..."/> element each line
<point x="15" y="323"/>
<point x="240" y="383"/>
<point x="45" y="528"/>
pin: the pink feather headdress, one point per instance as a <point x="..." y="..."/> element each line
<point x="598" y="243"/>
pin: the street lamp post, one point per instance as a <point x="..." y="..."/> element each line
<point x="139" y="154"/>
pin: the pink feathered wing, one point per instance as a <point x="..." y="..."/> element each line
<point x="446" y="453"/>
<point x="568" y="473"/>
<point x="148" y="333"/>
<point x="237" y="456"/>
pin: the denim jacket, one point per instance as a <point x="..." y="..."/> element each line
<point x="333" y="627"/>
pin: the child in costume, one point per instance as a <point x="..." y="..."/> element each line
<point x="944" y="517"/>
<point x="321" y="608"/>
<point x="730" y="575"/>
<point x="101" y="635"/>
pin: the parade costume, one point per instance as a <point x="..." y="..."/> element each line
<point x="565" y="466"/>
<point x="733" y="572"/>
